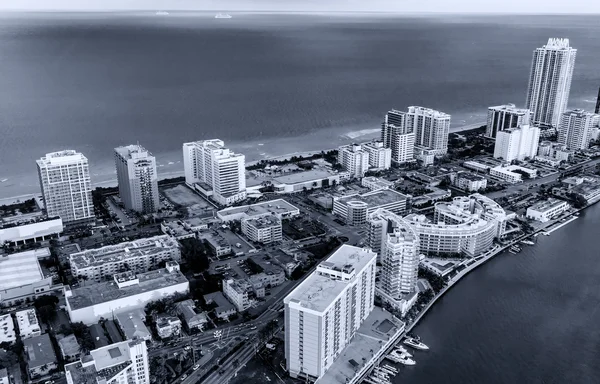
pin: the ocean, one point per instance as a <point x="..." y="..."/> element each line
<point x="267" y="84"/>
<point x="530" y="317"/>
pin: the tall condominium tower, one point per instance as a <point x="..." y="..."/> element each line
<point x="66" y="187"/>
<point x="550" y="81"/>
<point x="138" y="181"/>
<point x="431" y="128"/>
<point x="323" y="313"/>
<point x="575" y="129"/>
<point x="215" y="170"/>
<point x="397" y="137"/>
<point x="354" y="159"/>
<point x="380" y="157"/>
<point x="504" y="117"/>
<point x="517" y="143"/>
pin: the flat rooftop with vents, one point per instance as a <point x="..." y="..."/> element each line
<point x="279" y="208"/>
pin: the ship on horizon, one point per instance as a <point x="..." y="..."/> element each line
<point x="222" y="16"/>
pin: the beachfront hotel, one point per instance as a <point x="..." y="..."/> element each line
<point x="215" y="171"/>
<point x="575" y="129"/>
<point x="396" y="136"/>
<point x="517" y="143"/>
<point x="66" y="186"/>
<point x="505" y="116"/>
<point x="137" y="177"/>
<point x="354" y="159"/>
<point x="550" y="81"/>
<point x="380" y="157"/>
<point x="323" y="313"/>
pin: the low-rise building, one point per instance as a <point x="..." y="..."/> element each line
<point x="7" y="329"/>
<point x="127" y="291"/>
<point x="69" y="348"/>
<point x="132" y="325"/>
<point x="139" y="255"/>
<point x="271" y="278"/>
<point x="41" y="358"/>
<point x="354" y="209"/>
<point x="22" y="277"/>
<point x="476" y="166"/>
<point x="380" y="157"/>
<point x="28" y="323"/>
<point x="193" y="318"/>
<point x="470" y="182"/>
<point x="168" y="326"/>
<point x="119" y="363"/>
<point x="376" y="183"/>
<point x="306" y="180"/>
<point x="512" y="173"/>
<point x="544" y="211"/>
<point x="278" y="208"/>
<point x="263" y="229"/>
<point x="240" y="293"/>
<point x="176" y="229"/>
<point x="425" y="155"/>
<point x="218" y="244"/>
<point x="223" y="308"/>
<point x="15" y="232"/>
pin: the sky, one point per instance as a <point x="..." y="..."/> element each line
<point x="444" y="6"/>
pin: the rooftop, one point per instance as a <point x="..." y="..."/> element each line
<point x="317" y="291"/>
<point x="187" y="309"/>
<point x="273" y="207"/>
<point x="7" y="329"/>
<point x="470" y="176"/>
<point x="122" y="251"/>
<point x="39" y="351"/>
<point x="219" y="299"/>
<point x="263" y="222"/>
<point x="133" y="151"/>
<point x="510" y="107"/>
<point x="132" y="325"/>
<point x="20" y="269"/>
<point x="305" y="176"/>
<point x="61" y="157"/>
<point x="69" y="345"/>
<point x="97" y="333"/>
<point x="376" y="198"/>
<point x="93" y="294"/>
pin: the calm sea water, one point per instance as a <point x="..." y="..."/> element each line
<point x="526" y="318"/>
<point x="267" y="84"/>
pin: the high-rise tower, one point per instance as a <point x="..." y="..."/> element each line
<point x="138" y="181"/>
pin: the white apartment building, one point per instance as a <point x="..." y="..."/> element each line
<point x="66" y="186"/>
<point x="517" y="143"/>
<point x="376" y="183"/>
<point x="139" y="255"/>
<point x="263" y="229"/>
<point x="215" y="171"/>
<point x="431" y="128"/>
<point x="354" y="209"/>
<point x="137" y="177"/>
<point x="354" y="159"/>
<point x="119" y="363"/>
<point x="323" y="313"/>
<point x="470" y="182"/>
<point x="550" y="81"/>
<point x="509" y="175"/>
<point x="28" y="323"/>
<point x="380" y="157"/>
<point x="7" y="329"/>
<point x="398" y="137"/>
<point x="239" y="293"/>
<point x="38" y="229"/>
<point x="575" y="129"/>
<point x="506" y="116"/>
<point x="544" y="211"/>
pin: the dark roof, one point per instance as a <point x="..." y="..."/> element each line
<point x="113" y="332"/>
<point x="97" y="333"/>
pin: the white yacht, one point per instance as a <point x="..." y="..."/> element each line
<point x="415" y="342"/>
<point x="222" y="16"/>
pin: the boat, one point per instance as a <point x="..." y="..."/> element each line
<point x="527" y="242"/>
<point x="415" y="342"/>
<point x="514" y="249"/>
<point x="385" y="370"/>
<point x="401" y="352"/>
<point x="407" y="361"/>
<point x="222" y="16"/>
<point x="391" y="369"/>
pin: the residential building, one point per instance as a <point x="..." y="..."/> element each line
<point x="215" y="171"/>
<point x="431" y="128"/>
<point x="18" y="232"/>
<point x="22" y="277"/>
<point x="553" y="153"/>
<point x="470" y="182"/>
<point x="218" y="244"/>
<point x="98" y="336"/>
<point x="263" y="229"/>
<point x="545" y="211"/>
<point x="575" y="129"/>
<point x="139" y="255"/>
<point x="476" y="166"/>
<point x="380" y="157"/>
<point x="376" y="183"/>
<point x="128" y="291"/>
<point x="239" y="293"/>
<point x="223" y="308"/>
<point x="354" y="209"/>
<point x="28" y="324"/>
<point x="7" y="329"/>
<point x="279" y="208"/>
<point x="193" y="318"/>
<point x="124" y="362"/>
<point x="597" y="109"/>
<point x="66" y="186"/>
<point x="69" y="348"/>
<point x="132" y="325"/>
<point x="137" y="177"/>
<point x="396" y="135"/>
<point x="550" y="81"/>
<point x="354" y="159"/>
<point x="425" y="155"/>
<point x="517" y="143"/>
<point x="323" y="312"/>
<point x="168" y="326"/>
<point x="40" y="355"/>
<point x="512" y="173"/>
<point x="506" y="116"/>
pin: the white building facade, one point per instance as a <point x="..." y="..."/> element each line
<point x="506" y="116"/>
<point x="263" y="230"/>
<point x="222" y="170"/>
<point x="66" y="186"/>
<point x="575" y="129"/>
<point x="517" y="143"/>
<point x="323" y="313"/>
<point x="354" y="159"/>
<point x="137" y="177"/>
<point x="380" y="157"/>
<point x="396" y="136"/>
<point x="544" y="211"/>
<point x="550" y="81"/>
<point x="431" y="128"/>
